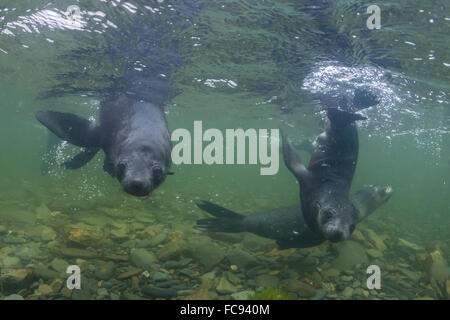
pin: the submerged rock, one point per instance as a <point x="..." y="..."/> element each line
<point x="207" y="253"/>
<point x="156" y="292"/>
<point x="14" y="297"/>
<point x="142" y="258"/>
<point x="225" y="287"/>
<point x="350" y="254"/>
<point x="243" y="295"/>
<point x="13" y="280"/>
<point x="241" y="258"/>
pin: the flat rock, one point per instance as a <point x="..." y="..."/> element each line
<point x="207" y="253"/>
<point x="267" y="281"/>
<point x="242" y="259"/>
<point x="225" y="287"/>
<point x="77" y="253"/>
<point x="156" y="292"/>
<point x="13" y="280"/>
<point x="142" y="258"/>
<point x="374" y="253"/>
<point x="350" y="254"/>
<point x="243" y="295"/>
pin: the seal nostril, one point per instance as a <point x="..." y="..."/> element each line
<point x="335" y="236"/>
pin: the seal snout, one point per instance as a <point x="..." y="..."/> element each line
<point x="137" y="187"/>
<point x="335" y="235"/>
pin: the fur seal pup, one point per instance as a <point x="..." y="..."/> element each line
<point x="132" y="133"/>
<point x="325" y="183"/>
<point x="286" y="225"/>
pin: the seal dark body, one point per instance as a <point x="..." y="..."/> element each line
<point x="286" y="225"/>
<point x="325" y="183"/>
<point x="133" y="134"/>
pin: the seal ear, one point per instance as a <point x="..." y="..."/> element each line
<point x="71" y="128"/>
<point x="292" y="160"/>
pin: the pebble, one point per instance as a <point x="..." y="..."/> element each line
<point x="104" y="270"/>
<point x="348" y="292"/>
<point x="241" y="259"/>
<point x="10" y="262"/>
<point x="225" y="287"/>
<point x="142" y="258"/>
<point x="14" y="297"/>
<point x="243" y="295"/>
<point x="156" y="292"/>
<point x="207" y="253"/>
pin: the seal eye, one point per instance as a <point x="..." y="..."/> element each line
<point x="121" y="170"/>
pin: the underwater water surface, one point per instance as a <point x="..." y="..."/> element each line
<point x="231" y="64"/>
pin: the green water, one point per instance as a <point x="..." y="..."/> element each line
<point x="277" y="55"/>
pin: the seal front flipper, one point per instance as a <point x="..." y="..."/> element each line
<point x="82" y="158"/>
<point x="71" y="128"/>
<point x="292" y="160"/>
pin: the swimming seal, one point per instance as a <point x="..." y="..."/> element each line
<point x="132" y="133"/>
<point x="286" y="225"/>
<point x="325" y="183"/>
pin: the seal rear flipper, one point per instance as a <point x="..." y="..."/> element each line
<point x="72" y="128"/>
<point x="363" y="99"/>
<point x="225" y="221"/>
<point x="218" y="211"/>
<point x="342" y="118"/>
<point x="292" y="160"/>
<point x="81" y="159"/>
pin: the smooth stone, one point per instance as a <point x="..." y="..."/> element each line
<point x="44" y="290"/>
<point x="301" y="288"/>
<point x="45" y="273"/>
<point x="409" y="245"/>
<point x="347" y="278"/>
<point x="156" y="292"/>
<point x="241" y="259"/>
<point x="10" y="262"/>
<point x="243" y="295"/>
<point x="59" y="265"/>
<point x="159" y="276"/>
<point x="374" y="253"/>
<point x="3" y="230"/>
<point x="348" y="292"/>
<point x="13" y="280"/>
<point x="351" y="253"/>
<point x="225" y="287"/>
<point x="267" y="281"/>
<point x="14" y="297"/>
<point x="77" y="253"/>
<point x="159" y="239"/>
<point x="48" y="234"/>
<point x="320" y="294"/>
<point x="43" y="212"/>
<point x="142" y="258"/>
<point x="102" y="292"/>
<point x="13" y="240"/>
<point x="208" y="254"/>
<point x="28" y="253"/>
<point x="104" y="270"/>
<point x="413" y="276"/>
